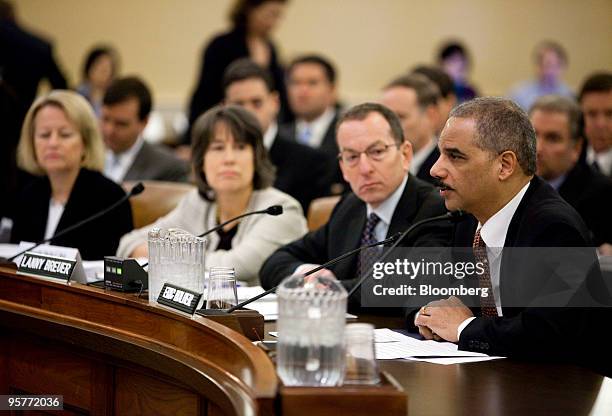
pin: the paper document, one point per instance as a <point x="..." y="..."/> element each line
<point x="391" y="345"/>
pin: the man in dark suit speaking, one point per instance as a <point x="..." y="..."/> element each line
<point x="385" y="199"/>
<point x="544" y="307"/>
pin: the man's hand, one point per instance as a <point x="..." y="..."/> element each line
<point x="140" y="251"/>
<point x="442" y="318"/>
<point x="312" y="277"/>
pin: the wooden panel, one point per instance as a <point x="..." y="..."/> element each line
<point x="82" y="339"/>
<point x="42" y="369"/>
<point x="138" y="394"/>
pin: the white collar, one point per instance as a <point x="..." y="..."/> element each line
<point x="318" y="126"/>
<point x="270" y="135"/>
<point x="131" y="152"/>
<point x="386" y="209"/>
<point x="493" y="232"/>
<point x="419" y="157"/>
<point x="604" y="159"/>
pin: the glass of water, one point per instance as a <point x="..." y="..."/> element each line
<point x="222" y="293"/>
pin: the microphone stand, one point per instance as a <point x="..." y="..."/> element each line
<point x="397" y="238"/>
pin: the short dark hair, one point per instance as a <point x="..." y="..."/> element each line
<point x="563" y="105"/>
<point x="501" y="125"/>
<point x="550" y="45"/>
<point x="438" y="77"/>
<point x="245" y="129"/>
<point x="243" y="69"/>
<point x="361" y="111"/>
<point x="239" y="13"/>
<point x="426" y="91"/>
<point x="328" y="67"/>
<point x="95" y="53"/>
<point x="451" y="48"/>
<point x="123" y="89"/>
<point x="7" y="11"/>
<point x="597" y="82"/>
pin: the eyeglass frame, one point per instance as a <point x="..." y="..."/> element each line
<point x="369" y="149"/>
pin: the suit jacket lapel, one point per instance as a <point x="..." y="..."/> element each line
<point x="135" y="171"/>
<point x="349" y="238"/>
<point x="405" y="210"/>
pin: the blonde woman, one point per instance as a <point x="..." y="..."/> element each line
<point x="60" y="143"/>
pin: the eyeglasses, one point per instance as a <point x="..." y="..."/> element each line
<point x="375" y="153"/>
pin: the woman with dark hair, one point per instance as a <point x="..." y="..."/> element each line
<point x="99" y="70"/>
<point x="233" y="176"/>
<point x="252" y="23"/>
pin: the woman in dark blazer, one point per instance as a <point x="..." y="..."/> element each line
<point x="253" y="21"/>
<point x="60" y="143"/>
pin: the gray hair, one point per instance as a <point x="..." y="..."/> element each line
<point x="563" y="105"/>
<point x="501" y="125"/>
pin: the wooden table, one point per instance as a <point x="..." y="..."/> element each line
<point x="499" y="387"/>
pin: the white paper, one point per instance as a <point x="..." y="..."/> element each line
<point x="391" y="345"/>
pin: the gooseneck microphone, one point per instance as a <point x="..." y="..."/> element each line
<point x="397" y="238"/>
<point x="316" y="269"/>
<point x="454" y="216"/>
<point x="137" y="189"/>
<point x="273" y="210"/>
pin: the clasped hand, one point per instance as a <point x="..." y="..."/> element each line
<point x="439" y="320"/>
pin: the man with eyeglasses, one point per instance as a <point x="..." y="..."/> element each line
<point x="374" y="159"/>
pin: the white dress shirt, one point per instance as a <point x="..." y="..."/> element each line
<point x="385" y="211"/>
<point x="318" y="127"/>
<point x="270" y="135"/>
<point x="603" y="159"/>
<point x="116" y="166"/>
<point x="493" y="233"/>
<point x="56" y="209"/>
<point x="419" y="157"/>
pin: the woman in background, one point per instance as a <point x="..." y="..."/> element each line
<point x="233" y="176"/>
<point x="60" y="143"/>
<point x="99" y="71"/>
<point x="253" y="22"/>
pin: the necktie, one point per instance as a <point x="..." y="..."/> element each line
<point x="596" y="166"/>
<point x="487" y="305"/>
<point x="367" y="257"/>
<point x="305" y="135"/>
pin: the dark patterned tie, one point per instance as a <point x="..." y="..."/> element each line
<point x="487" y="305"/>
<point x="596" y="166"/>
<point x="366" y="257"/>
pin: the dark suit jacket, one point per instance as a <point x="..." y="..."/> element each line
<point x="590" y="193"/>
<point x="91" y="193"/>
<point x="301" y="171"/>
<point x="343" y="233"/>
<point x="425" y="167"/>
<point x="216" y="57"/>
<point x="156" y="163"/>
<point x="329" y="147"/>
<point x="25" y="59"/>
<point x="542" y="219"/>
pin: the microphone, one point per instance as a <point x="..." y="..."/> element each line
<point x="137" y="189"/>
<point x="316" y="269"/>
<point x="454" y="216"/>
<point x="271" y="210"/>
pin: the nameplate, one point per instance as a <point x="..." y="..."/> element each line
<point x="42" y="265"/>
<point x="179" y="298"/>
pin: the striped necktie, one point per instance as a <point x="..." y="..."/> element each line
<point x="487" y="305"/>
